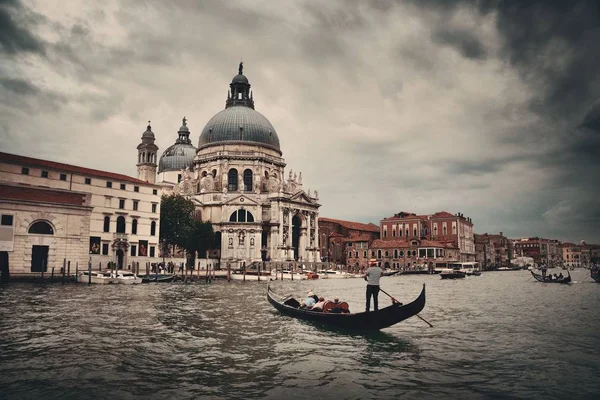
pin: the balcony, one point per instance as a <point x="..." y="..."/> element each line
<point x="121" y="236"/>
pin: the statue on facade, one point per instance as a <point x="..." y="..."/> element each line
<point x="316" y="194"/>
<point x="242" y="236"/>
<point x="290" y="175"/>
<point x="241" y="68"/>
<point x="300" y="179"/>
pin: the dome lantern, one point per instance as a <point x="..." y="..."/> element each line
<point x="239" y="95"/>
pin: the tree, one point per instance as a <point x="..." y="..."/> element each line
<point x="176" y="220"/>
<point x="201" y="238"/>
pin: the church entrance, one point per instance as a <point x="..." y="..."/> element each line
<point x="296" y="221"/>
<point x="120" y="255"/>
<point x="39" y="258"/>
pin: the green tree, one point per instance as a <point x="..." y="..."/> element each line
<point x="176" y="220"/>
<point x="201" y="238"/>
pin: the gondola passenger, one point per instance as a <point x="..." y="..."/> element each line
<point x="319" y="305"/>
<point x="561" y="277"/>
<point x="309" y="301"/>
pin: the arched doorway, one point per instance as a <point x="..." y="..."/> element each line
<point x="120" y="255"/>
<point x="39" y="253"/>
<point x="296" y="222"/>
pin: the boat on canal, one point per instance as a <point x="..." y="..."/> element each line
<point x="372" y="320"/>
<point x="126" y="278"/>
<point x="96" y="277"/>
<point x="452" y="274"/>
<point x="595" y="274"/>
<point x="161" y="278"/>
<point x="540" y="278"/>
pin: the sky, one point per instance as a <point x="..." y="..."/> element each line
<point x="487" y="108"/>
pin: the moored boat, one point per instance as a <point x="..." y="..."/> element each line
<point x="161" y="278"/>
<point x="96" y="277"/>
<point x="373" y="320"/>
<point x="126" y="278"/>
<point x="452" y="274"/>
<point x="547" y="279"/>
<point x="595" y="274"/>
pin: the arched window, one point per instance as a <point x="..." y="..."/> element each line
<point x="373" y="253"/>
<point x="401" y="253"/>
<point x="415" y="232"/>
<point x="41" y="228"/>
<point x="395" y="253"/>
<point x="241" y="216"/>
<point x="121" y="224"/>
<point x="414" y="253"/>
<point x="248" y="180"/>
<point x="387" y="254"/>
<point x="134" y="227"/>
<point x="214" y="173"/>
<point x="378" y="253"/>
<point x="153" y="228"/>
<point x="435" y="230"/>
<point x="107" y="224"/>
<point x="232" y="180"/>
<point x="204" y="174"/>
<point x="445" y="230"/>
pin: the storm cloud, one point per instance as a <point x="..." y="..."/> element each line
<point x="489" y="108"/>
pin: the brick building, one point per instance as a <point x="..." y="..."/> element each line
<point x="412" y="254"/>
<point x="443" y="227"/>
<point x="336" y="237"/>
<point x="543" y="251"/>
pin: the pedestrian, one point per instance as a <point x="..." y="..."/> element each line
<point x="372" y="277"/>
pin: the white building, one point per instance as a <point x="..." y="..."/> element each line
<point x="60" y="211"/>
<point x="237" y="181"/>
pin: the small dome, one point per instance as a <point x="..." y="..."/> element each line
<point x="239" y="79"/>
<point x="239" y="124"/>
<point x="177" y="157"/>
<point x="148" y="134"/>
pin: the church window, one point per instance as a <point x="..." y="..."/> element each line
<point x="7" y="220"/>
<point x="178" y="178"/>
<point x="154" y="208"/>
<point x="241" y="216"/>
<point x="123" y="187"/>
<point x="154" y="191"/>
<point x="153" y="228"/>
<point x="25" y="171"/>
<point x="41" y="228"/>
<point x="248" y="180"/>
<point x="393" y="232"/>
<point x="134" y="225"/>
<point x="121" y="203"/>
<point x="107" y="224"/>
<point x="108" y="184"/>
<point x="63" y="177"/>
<point x="121" y="224"/>
<point x="88" y="181"/>
<point x="136" y="188"/>
<point x="232" y="180"/>
<point x="152" y="251"/>
<point x="135" y="205"/>
<point x="44" y="174"/>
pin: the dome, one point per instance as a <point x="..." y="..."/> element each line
<point x="239" y="124"/>
<point x="148" y="134"/>
<point x="177" y="157"/>
<point x="239" y="79"/>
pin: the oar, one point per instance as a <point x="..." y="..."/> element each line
<point x="396" y="301"/>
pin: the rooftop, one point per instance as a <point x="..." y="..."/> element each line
<point x="370" y="227"/>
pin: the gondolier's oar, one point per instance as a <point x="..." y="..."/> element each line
<point x="396" y="301"/>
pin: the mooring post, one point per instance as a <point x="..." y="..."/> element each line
<point x="100" y="266"/>
<point x="258" y="272"/>
<point x="52" y="276"/>
<point x="69" y="270"/>
<point x="64" y="270"/>
<point x="228" y="271"/>
<point x="90" y="271"/>
<point x="77" y="271"/>
<point x="244" y="270"/>
<point x="207" y="267"/>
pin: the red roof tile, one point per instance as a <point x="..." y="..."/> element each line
<point x="352" y="225"/>
<point x="43" y="195"/>
<point x="361" y="238"/>
<point x="36" y="162"/>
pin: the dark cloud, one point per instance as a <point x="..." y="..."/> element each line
<point x="19" y="86"/>
<point x="464" y="41"/>
<point x="15" y="34"/>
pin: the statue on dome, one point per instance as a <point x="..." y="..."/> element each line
<point x="290" y="175"/>
<point x="241" y="68"/>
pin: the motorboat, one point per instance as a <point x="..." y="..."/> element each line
<point x="126" y="278"/>
<point x="96" y="277"/>
<point x="452" y="274"/>
<point x="469" y="268"/>
<point x="288" y="274"/>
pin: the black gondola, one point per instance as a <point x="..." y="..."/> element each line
<point x="595" y="274"/>
<point x="540" y="278"/>
<point x="373" y="320"/>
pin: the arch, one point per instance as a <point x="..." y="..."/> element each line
<point x="214" y="173"/>
<point x="107" y="224"/>
<point x="121" y="224"/>
<point x="204" y="173"/>
<point x="241" y="215"/>
<point x="41" y="228"/>
<point x="218" y="238"/>
<point x="387" y="254"/>
<point x="414" y="253"/>
<point x="153" y="228"/>
<point x="296" y="223"/>
<point x="232" y="180"/>
<point x="248" y="180"/>
<point x="401" y="253"/>
<point x="134" y="225"/>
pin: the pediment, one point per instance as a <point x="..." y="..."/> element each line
<point x="241" y="200"/>
<point x="302" y="197"/>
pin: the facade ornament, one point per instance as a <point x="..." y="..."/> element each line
<point x="241" y="68"/>
<point x="300" y="179"/>
<point x="295" y="176"/>
<point x="316" y="194"/>
<point x="242" y="236"/>
<point x="290" y="175"/>
<point x="309" y="195"/>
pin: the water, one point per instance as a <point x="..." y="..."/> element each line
<point x="501" y="335"/>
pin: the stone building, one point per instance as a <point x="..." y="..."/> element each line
<point x="441" y="227"/>
<point x="543" y="251"/>
<point x="237" y="180"/>
<point x="493" y="250"/>
<point x="413" y="253"/>
<point x="54" y="207"/>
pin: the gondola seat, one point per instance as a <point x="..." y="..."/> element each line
<point x="292" y="303"/>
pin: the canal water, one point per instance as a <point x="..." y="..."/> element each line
<point x="500" y="335"/>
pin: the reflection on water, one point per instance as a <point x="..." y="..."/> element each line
<point x="498" y="335"/>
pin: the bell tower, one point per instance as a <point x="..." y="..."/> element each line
<point x="147" y="151"/>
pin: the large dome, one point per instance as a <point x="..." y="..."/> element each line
<point x="239" y="124"/>
<point x="181" y="154"/>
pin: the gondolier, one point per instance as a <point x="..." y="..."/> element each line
<point x="372" y="277"/>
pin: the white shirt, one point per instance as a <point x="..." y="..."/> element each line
<point x="373" y="274"/>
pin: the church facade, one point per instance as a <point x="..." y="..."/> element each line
<point x="238" y="182"/>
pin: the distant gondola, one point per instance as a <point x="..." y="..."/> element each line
<point x="373" y="320"/>
<point x="595" y="274"/>
<point x="540" y="278"/>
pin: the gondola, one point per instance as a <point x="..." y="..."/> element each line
<point x="539" y="278"/>
<point x="595" y="274"/>
<point x="373" y="320"/>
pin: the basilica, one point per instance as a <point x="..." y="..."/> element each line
<point x="236" y="178"/>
